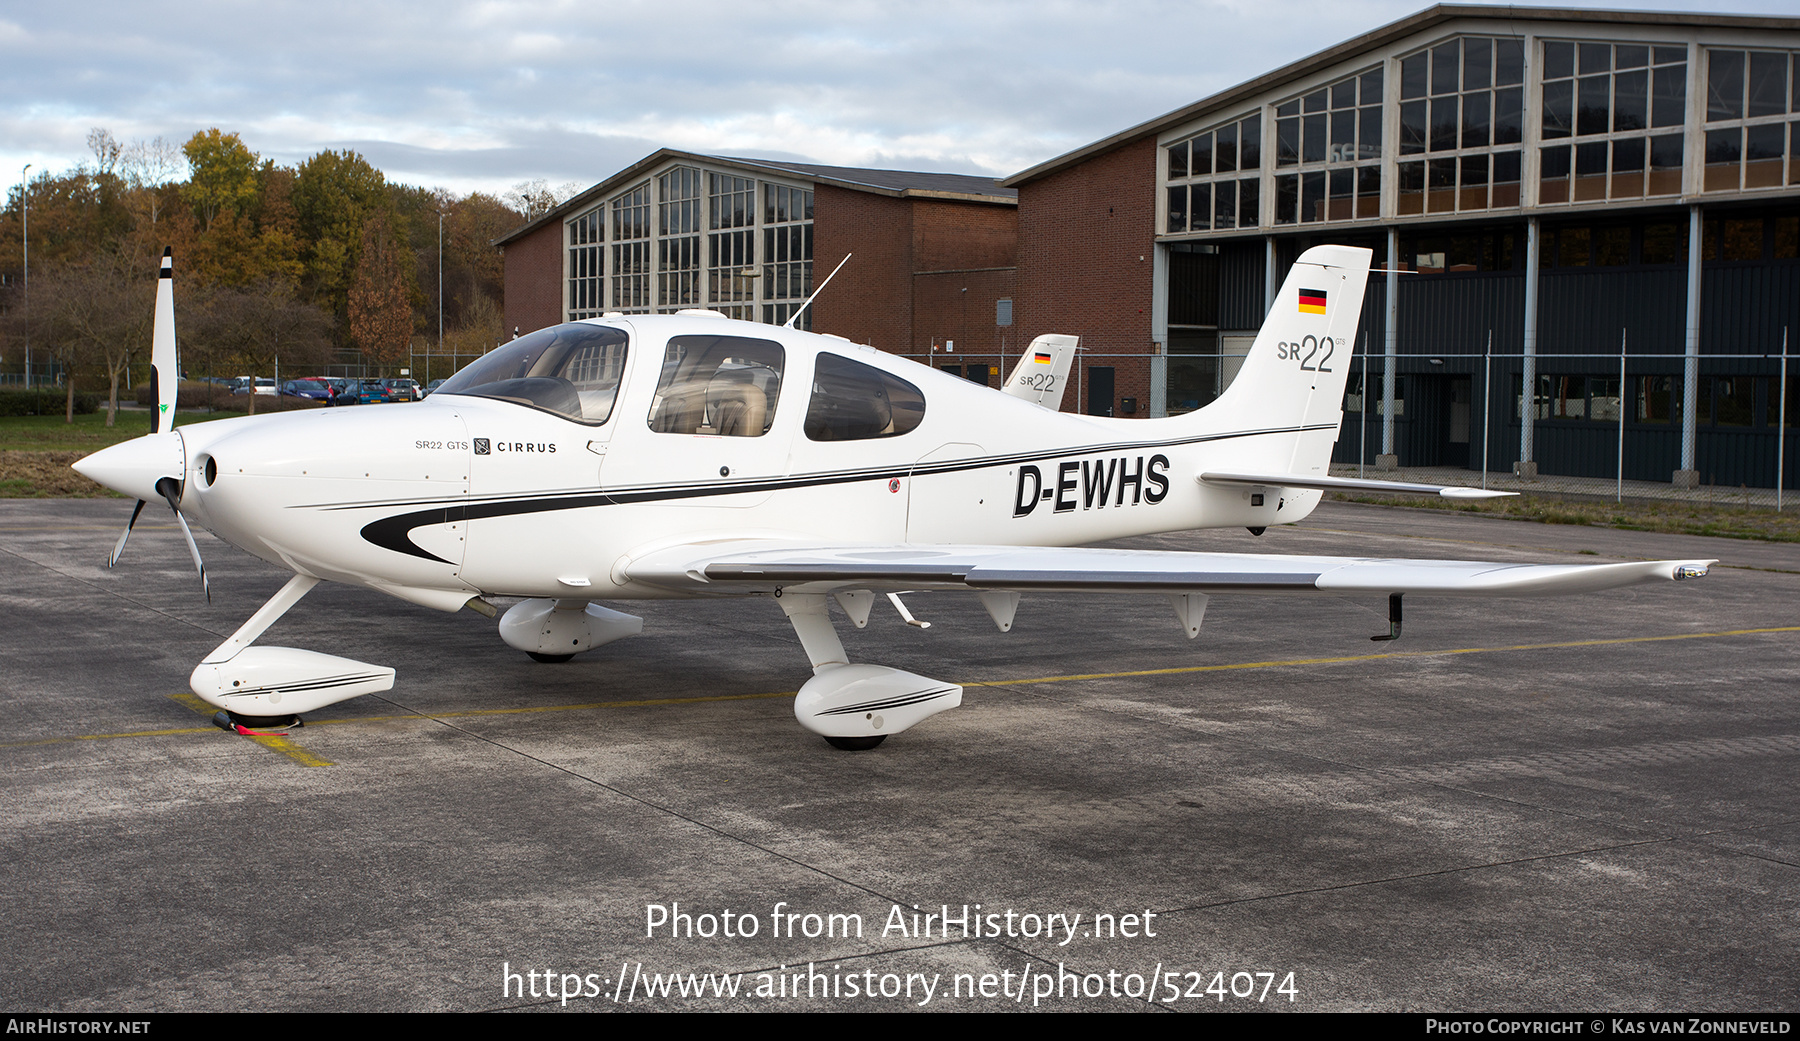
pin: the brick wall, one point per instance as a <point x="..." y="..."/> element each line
<point x="871" y="299"/>
<point x="534" y="286"/>
<point x="1086" y="245"/>
<point x="925" y="271"/>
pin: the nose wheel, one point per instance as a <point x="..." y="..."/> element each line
<point x="255" y="726"/>
<point x="855" y="744"/>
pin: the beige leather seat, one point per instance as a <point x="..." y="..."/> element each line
<point x="743" y="410"/>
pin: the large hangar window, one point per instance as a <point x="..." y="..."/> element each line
<point x="631" y="251"/>
<point x="787" y="252"/>
<point x="678" y="239"/>
<point x="1604" y="104"/>
<point x="1331" y="137"/>
<point x="1221" y="169"/>
<point x="1462" y="112"/>
<point x="856" y="402"/>
<point x="1750" y="142"/>
<point x="585" y="253"/>
<point x="731" y="245"/>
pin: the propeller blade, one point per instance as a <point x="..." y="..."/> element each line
<point x="171" y="490"/>
<point x="165" y="370"/>
<point x="119" y="550"/>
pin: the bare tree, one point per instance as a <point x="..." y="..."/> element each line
<point x="106" y="149"/>
<point x="264" y="325"/>
<point x="536" y="198"/>
<point x="148" y="165"/>
<point x="95" y="314"/>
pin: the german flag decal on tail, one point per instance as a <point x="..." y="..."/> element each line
<point x="1312" y="301"/>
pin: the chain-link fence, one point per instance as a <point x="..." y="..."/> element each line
<point x="1713" y="429"/>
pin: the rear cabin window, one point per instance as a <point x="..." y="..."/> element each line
<point x="721" y="385"/>
<point x="856" y="402"/>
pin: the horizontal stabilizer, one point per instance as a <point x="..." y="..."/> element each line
<point x="1349" y="484"/>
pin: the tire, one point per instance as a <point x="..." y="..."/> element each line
<point x="855" y="744"/>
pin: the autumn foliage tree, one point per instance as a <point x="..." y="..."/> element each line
<point x="380" y="303"/>
<point x="250" y="238"/>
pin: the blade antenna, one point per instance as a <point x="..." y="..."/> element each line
<point x="789" y="324"/>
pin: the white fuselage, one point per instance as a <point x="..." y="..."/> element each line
<point x="457" y="495"/>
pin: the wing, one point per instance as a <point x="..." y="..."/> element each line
<point x="744" y="566"/>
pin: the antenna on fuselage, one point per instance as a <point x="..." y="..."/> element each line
<point x="789" y="324"/>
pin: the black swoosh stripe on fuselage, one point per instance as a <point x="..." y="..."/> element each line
<point x="394" y="532"/>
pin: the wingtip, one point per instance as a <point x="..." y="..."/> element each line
<point x="1685" y="569"/>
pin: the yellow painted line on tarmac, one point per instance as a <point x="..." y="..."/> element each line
<point x="290" y="749"/>
<point x="193" y="701"/>
<point x="302" y="756"/>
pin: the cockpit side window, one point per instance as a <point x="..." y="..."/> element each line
<point x="571" y="370"/>
<point x="721" y="385"/>
<point x="855" y="402"/>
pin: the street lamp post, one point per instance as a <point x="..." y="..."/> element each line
<point x="440" y="343"/>
<point x="25" y="243"/>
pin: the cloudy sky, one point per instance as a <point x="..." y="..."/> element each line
<point x="483" y="94"/>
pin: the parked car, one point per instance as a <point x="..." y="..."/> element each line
<point x="369" y="392"/>
<point x="310" y="389"/>
<point x="431" y="388"/>
<point x="346" y="390"/>
<point x="265" y="385"/>
<point x="402" y="389"/>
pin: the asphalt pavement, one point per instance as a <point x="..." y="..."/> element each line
<point x="1583" y="803"/>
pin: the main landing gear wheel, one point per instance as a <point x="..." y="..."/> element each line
<point x="855" y="744"/>
<point x="549" y="659"/>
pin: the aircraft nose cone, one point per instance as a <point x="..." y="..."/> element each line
<point x="133" y="467"/>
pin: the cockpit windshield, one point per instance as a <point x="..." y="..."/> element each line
<point x="572" y="370"/>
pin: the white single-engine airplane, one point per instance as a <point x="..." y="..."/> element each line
<point x="690" y="455"/>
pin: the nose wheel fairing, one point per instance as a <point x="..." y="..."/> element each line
<point x="269" y="682"/>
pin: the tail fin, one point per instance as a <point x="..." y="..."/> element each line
<point x="1295" y="374"/>
<point x="165" y="369"/>
<point x="1042" y="375"/>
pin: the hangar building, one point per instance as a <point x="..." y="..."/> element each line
<point x="933" y="267"/>
<point x="1557" y="185"/>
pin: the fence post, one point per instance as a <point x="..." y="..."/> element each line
<point x="1781" y="424"/>
<point x="1487" y="402"/>
<point x="1619" y="494"/>
<point x="1362" y="410"/>
<point x="1390" y="350"/>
